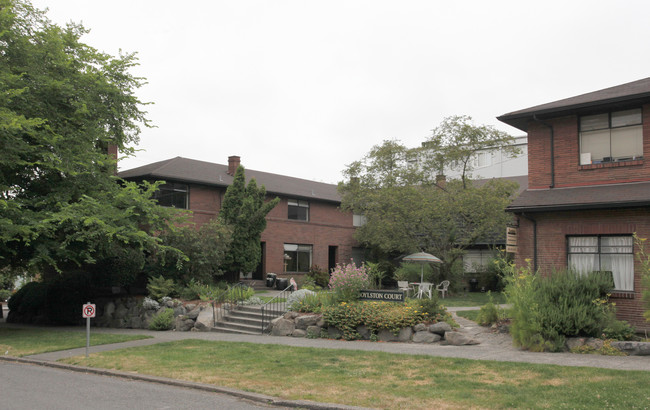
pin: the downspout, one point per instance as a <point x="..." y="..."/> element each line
<point x="534" y="221"/>
<point x="550" y="127"/>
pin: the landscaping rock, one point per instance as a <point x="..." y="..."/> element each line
<point x="633" y="348"/>
<point x="459" y="339"/>
<point x="440" y="328"/>
<point x="291" y="315"/>
<point x="205" y="317"/>
<point x="334" y="333"/>
<point x="419" y="327"/>
<point x="283" y="327"/>
<point x="594" y="343"/>
<point x="194" y="313"/>
<point x="424" y="336"/>
<point x="109" y="309"/>
<point x="199" y="327"/>
<point x="321" y="322"/>
<point x="183" y="324"/>
<point x="303" y="322"/>
<point x="574" y="342"/>
<point x="313" y="331"/>
<point x="364" y="332"/>
<point x="120" y="312"/>
<point x="299" y="333"/>
<point x="386" y="336"/>
<point x="405" y="335"/>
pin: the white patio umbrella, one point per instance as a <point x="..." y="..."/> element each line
<point x="422" y="258"/>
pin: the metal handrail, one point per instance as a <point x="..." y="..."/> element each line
<point x="229" y="299"/>
<point x="275" y="307"/>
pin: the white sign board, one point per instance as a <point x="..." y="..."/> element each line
<point x="88" y="311"/>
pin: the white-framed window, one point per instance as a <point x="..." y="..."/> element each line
<point x="609" y="137"/>
<point x="173" y="195"/>
<point x="604" y="253"/>
<point x="358" y="220"/>
<point x="298" y="210"/>
<point x="477" y="260"/>
<point x="297" y="258"/>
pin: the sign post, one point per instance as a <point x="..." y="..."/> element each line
<point x="88" y="311"/>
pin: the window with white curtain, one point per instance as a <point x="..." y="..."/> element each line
<point x="604" y="253"/>
<point x="608" y="137"/>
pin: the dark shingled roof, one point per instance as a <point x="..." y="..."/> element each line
<point x="620" y="96"/>
<point x="628" y="195"/>
<point x="208" y="173"/>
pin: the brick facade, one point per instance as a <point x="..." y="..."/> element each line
<point x="552" y="231"/>
<point x="327" y="227"/>
<point x="569" y="188"/>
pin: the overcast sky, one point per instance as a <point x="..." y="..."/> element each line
<point x="303" y="88"/>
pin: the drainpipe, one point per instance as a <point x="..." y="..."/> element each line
<point x="534" y="221"/>
<point x="550" y="127"/>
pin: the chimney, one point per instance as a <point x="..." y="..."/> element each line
<point x="441" y="181"/>
<point x="233" y="163"/>
<point x="112" y="154"/>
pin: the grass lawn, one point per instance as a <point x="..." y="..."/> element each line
<point x="380" y="380"/>
<point x="24" y="342"/>
<point x="468" y="314"/>
<point x="472" y="299"/>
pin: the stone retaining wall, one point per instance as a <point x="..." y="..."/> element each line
<point x="313" y="325"/>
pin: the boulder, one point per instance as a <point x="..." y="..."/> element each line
<point x="120" y="312"/>
<point x="440" y="328"/>
<point x="200" y="327"/>
<point x="283" y="327"/>
<point x="194" y="313"/>
<point x="304" y="321"/>
<point x="633" y="348"/>
<point x="109" y="309"/>
<point x="424" y="336"/>
<point x="419" y="327"/>
<point x="459" y="339"/>
<point x="206" y="317"/>
<point x="313" y="331"/>
<point x="405" y="335"/>
<point x="299" y="333"/>
<point x="386" y="336"/>
<point x="364" y="332"/>
<point x="334" y="333"/>
<point x="291" y="315"/>
<point x="183" y="324"/>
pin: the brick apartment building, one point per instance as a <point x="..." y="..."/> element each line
<point x="588" y="187"/>
<point x="306" y="228"/>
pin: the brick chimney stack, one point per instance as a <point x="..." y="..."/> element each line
<point x="233" y="163"/>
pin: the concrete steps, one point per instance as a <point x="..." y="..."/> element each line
<point x="243" y="320"/>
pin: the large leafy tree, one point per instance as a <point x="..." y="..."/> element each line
<point x="245" y="208"/>
<point x="407" y="209"/>
<point x="62" y="104"/>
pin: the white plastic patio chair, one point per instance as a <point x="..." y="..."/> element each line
<point x="404" y="286"/>
<point x="443" y="287"/>
<point x="424" y="288"/>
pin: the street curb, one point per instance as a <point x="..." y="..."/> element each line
<point x="254" y="397"/>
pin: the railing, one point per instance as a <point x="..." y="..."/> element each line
<point x="275" y="307"/>
<point x="228" y="300"/>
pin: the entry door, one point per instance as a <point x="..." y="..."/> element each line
<point x="332" y="257"/>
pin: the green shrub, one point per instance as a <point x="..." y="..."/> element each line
<point x="30" y="299"/>
<point x="489" y="313"/>
<point x="163" y="320"/>
<point x="159" y="287"/>
<point x="375" y="315"/>
<point x="319" y="276"/>
<point x="435" y="312"/>
<point x="547" y="309"/>
<point x="314" y="303"/>
<point x="376" y="274"/>
<point x="412" y="272"/>
<point x="347" y="280"/>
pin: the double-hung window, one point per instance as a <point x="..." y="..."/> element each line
<point x="604" y="253"/>
<point x="297" y="258"/>
<point x="298" y="210"/>
<point x="172" y="195"/>
<point x="609" y="137"/>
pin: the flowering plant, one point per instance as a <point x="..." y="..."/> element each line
<point x="347" y="280"/>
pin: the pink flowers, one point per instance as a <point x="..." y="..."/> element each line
<point x="347" y="280"/>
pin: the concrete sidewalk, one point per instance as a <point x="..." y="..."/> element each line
<point x="493" y="346"/>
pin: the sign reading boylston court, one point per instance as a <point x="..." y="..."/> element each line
<point x="383" y="295"/>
